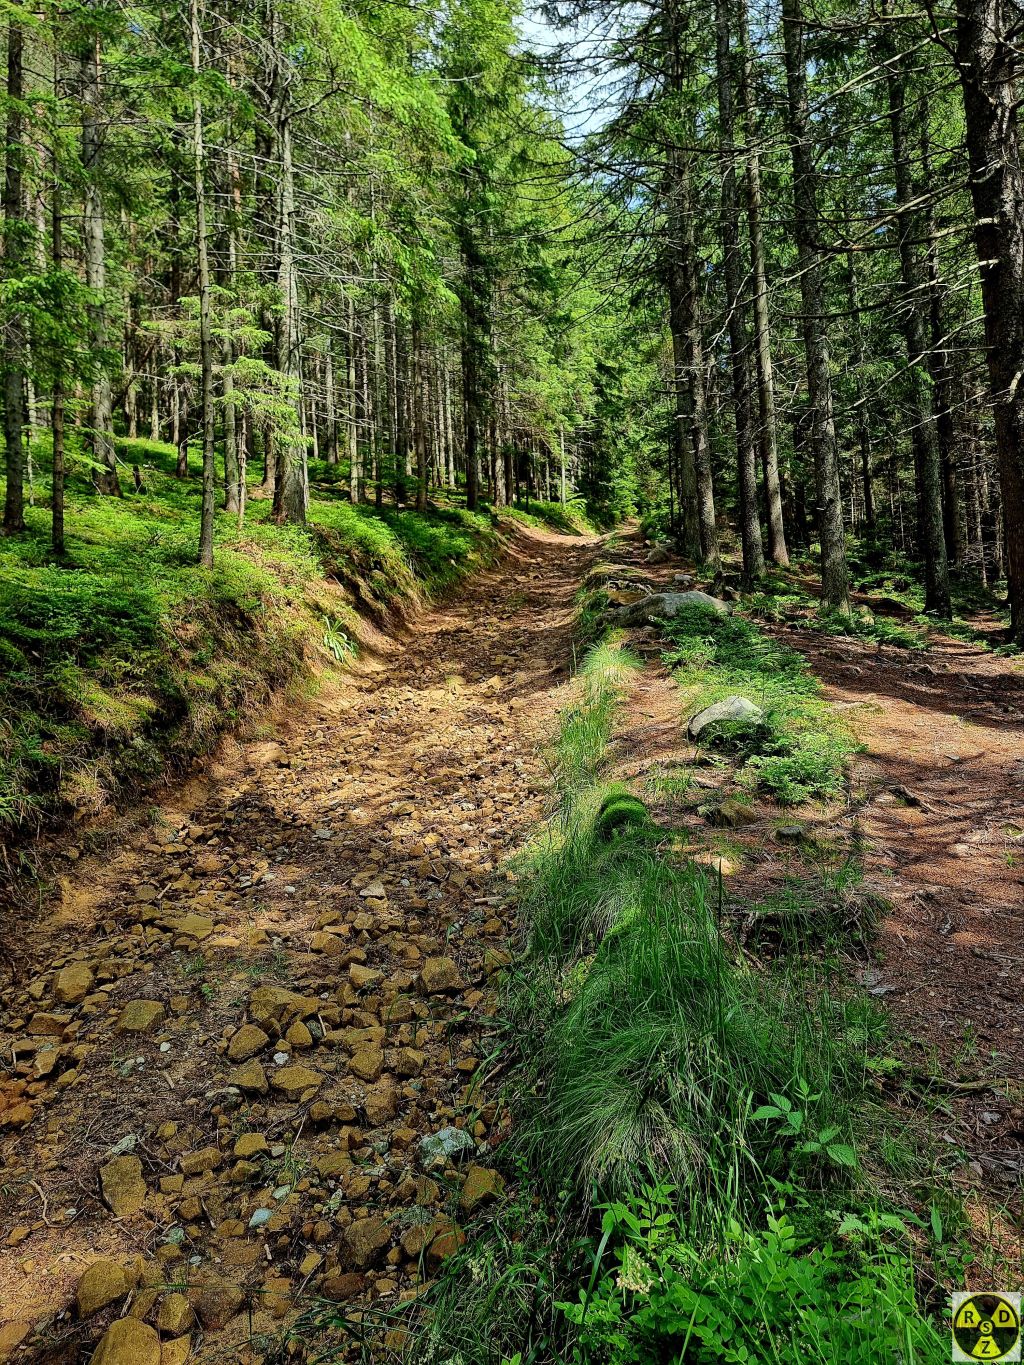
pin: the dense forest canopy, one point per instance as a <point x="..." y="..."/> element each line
<point x="764" y="273"/>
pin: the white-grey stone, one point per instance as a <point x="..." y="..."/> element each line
<point x="446" y="1144"/>
<point x="665" y="604"/>
<point x="732" y="711"/>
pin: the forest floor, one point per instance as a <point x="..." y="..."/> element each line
<point x="242" y="1044"/>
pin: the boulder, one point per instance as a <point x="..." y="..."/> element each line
<point x="665" y="605"/>
<point x="729" y="711"/>
<point x="103" y="1282"/>
<point x="128" y="1342"/>
<point x="124" y="1190"/>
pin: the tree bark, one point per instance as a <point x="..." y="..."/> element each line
<point x="94" y="251"/>
<point x="205" y="325"/>
<point x="768" y="424"/>
<point x="292" y="471"/>
<point x="14" y="345"/>
<point x="989" y="67"/>
<point x="919" y="378"/>
<point x="739" y="339"/>
<point x="835" y="591"/>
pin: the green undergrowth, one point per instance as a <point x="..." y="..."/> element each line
<point x="798" y="750"/>
<point x="691" y="1128"/>
<point x="888" y="605"/>
<point x="125" y="655"/>
<point x="570" y="518"/>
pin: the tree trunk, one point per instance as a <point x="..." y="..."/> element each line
<point x="94" y="251"/>
<point x="922" y="408"/>
<point x="205" y="325"/>
<point x="835" y="591"/>
<point x="768" y="424"/>
<point x="292" y="471"/>
<point x="232" y="451"/>
<point x="14" y="254"/>
<point x="57" y="403"/>
<point x="420" y="420"/>
<point x="862" y="419"/>
<point x="739" y="340"/>
<point x="988" y="64"/>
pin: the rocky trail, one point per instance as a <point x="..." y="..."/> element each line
<point x="245" y="1053"/>
<point x="245" y="1066"/>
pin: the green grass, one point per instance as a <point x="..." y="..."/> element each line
<point x="799" y="750"/>
<point x="125" y="653"/>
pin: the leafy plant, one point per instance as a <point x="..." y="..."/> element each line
<point x="754" y="1297"/>
<point x="337" y="641"/>
<point x="791" y="1122"/>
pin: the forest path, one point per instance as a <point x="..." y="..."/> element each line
<point x="225" y="1046"/>
<point x="937" y="803"/>
<point x="938" y="793"/>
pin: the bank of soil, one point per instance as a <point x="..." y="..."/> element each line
<point x="227" y="1039"/>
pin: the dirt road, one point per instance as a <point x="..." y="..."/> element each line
<point x="226" y="1043"/>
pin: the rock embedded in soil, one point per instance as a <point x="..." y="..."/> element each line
<point x="73" y="984"/>
<point x="215" y="1301"/>
<point x="440" y="975"/>
<point x="731" y="814"/>
<point x="339" y="1288"/>
<point x="666" y="605"/>
<point x="250" y="1145"/>
<point x="205" y="1159"/>
<point x="447" y="1144"/>
<point x="128" y="1342"/>
<point x="297" y="1082"/>
<point x="102" y="1283"/>
<point x="175" y="1316"/>
<point x="366" y="1241"/>
<point x="367" y="1063"/>
<point x="246" y="1042"/>
<point x="250" y="1077"/>
<point x="140" y="1016"/>
<point x="729" y="711"/>
<point x="482" y="1186"/>
<point x="124" y="1189"/>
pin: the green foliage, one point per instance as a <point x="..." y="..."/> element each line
<point x="570" y="518"/>
<point x="621" y="812"/>
<point x="798" y="751"/>
<point x="758" y="1296"/>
